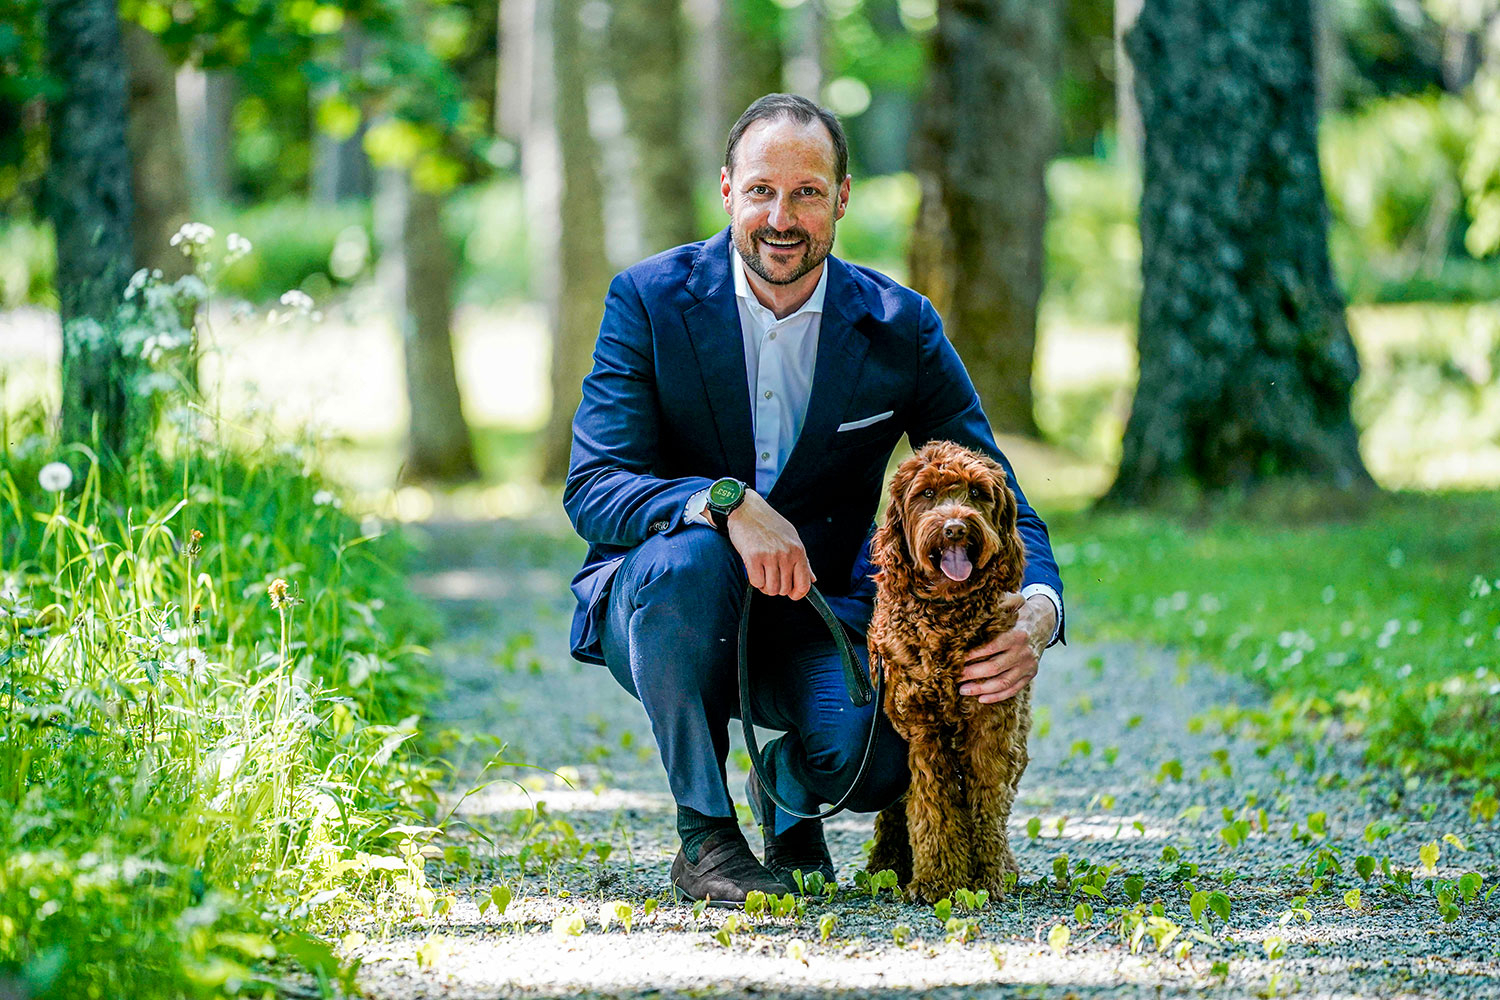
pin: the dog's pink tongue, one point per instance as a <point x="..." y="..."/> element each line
<point x="956" y="565"/>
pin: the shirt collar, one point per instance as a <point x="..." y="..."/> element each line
<point x="814" y="303"/>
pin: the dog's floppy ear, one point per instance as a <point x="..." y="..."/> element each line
<point x="1012" y="553"/>
<point x="888" y="547"/>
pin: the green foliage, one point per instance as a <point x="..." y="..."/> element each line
<point x="1393" y="177"/>
<point x="298" y="244"/>
<point x="1092" y="244"/>
<point x="1386" y="618"/>
<point x="207" y="674"/>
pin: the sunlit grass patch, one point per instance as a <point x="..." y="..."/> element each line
<point x="1385" y="618"/>
<point x="206" y="678"/>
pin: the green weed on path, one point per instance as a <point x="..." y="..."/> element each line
<point x="1386" y="619"/>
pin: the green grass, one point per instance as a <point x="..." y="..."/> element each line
<point x="199" y="771"/>
<point x="1385" y="619"/>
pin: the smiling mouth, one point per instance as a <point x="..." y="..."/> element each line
<point x="781" y="246"/>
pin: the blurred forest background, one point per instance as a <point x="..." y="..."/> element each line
<point x="275" y="274"/>
<point x="453" y="183"/>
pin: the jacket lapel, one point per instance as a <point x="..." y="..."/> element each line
<point x="841" y="354"/>
<point x="713" y="326"/>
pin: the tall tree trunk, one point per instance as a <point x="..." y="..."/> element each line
<point x="583" y="273"/>
<point x="708" y="115"/>
<point x="647" y="50"/>
<point x="340" y="168"/>
<point x="752" y="64"/>
<point x="1246" y="365"/>
<point x="803" y="69"/>
<point x="988" y="129"/>
<point x="205" y="105"/>
<point x="1127" y="113"/>
<point x="89" y="202"/>
<point x="417" y="271"/>
<point x="158" y="167"/>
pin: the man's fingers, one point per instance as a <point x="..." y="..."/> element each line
<point x="999" y="688"/>
<point x="801" y="580"/>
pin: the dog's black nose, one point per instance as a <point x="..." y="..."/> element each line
<point x="955" y="530"/>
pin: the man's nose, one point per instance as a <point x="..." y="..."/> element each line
<point x="781" y="215"/>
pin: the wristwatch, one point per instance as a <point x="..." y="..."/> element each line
<point x="723" y="497"/>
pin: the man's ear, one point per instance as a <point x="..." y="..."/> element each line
<point x="726" y="189"/>
<point x="842" y="204"/>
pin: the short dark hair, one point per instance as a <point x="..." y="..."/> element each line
<point x="800" y="110"/>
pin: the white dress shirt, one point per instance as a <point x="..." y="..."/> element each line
<point x="780" y="355"/>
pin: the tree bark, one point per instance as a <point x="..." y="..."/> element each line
<point x="417" y="271"/>
<point x="1246" y="365"/>
<point x="752" y="66"/>
<point x="647" y="50"/>
<point x="583" y="270"/>
<point x="205" y="105"/>
<point x="340" y="168"/>
<point x="1127" y="113"/>
<point x="158" y="164"/>
<point x="89" y="203"/>
<point x="988" y="129"/>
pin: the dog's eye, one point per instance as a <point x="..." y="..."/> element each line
<point x="976" y="493"/>
<point x="929" y="493"/>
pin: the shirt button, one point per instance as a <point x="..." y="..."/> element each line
<point x="765" y="455"/>
<point x="769" y="394"/>
<point x="772" y="336"/>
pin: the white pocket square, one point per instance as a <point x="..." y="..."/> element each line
<point x="855" y="425"/>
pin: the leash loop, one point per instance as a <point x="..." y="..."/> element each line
<point x="856" y="679"/>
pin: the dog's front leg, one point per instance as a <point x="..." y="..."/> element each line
<point x="892" y="850"/>
<point x="937" y="821"/>
<point x="993" y="759"/>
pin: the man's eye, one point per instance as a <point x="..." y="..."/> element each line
<point x="759" y="189"/>
<point x="929" y="493"/>
<point x="810" y="192"/>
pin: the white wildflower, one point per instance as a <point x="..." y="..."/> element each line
<point x="55" y="477"/>
<point x="192" y="236"/>
<point x="298" y="300"/>
<point x="325" y="498"/>
<point x="83" y="335"/>
<point x="137" y="282"/>
<point x="190" y="288"/>
<point x="237" y="246"/>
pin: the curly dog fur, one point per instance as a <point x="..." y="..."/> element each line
<point x="948" y="556"/>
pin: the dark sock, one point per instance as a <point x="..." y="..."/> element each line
<point x="694" y="828"/>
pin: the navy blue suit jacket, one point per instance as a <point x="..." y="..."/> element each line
<point x="666" y="411"/>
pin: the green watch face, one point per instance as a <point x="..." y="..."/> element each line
<point x="725" y="492"/>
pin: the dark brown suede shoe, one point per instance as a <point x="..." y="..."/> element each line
<point x="725" y="873"/>
<point x="800" y="848"/>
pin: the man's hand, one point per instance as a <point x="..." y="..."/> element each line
<point x="1007" y="663"/>
<point x="775" y="560"/>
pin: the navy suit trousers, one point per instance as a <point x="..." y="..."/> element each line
<point x="671" y="638"/>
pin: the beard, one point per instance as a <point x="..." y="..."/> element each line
<point x="813" y="251"/>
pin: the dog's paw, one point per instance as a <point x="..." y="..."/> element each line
<point x="927" y="891"/>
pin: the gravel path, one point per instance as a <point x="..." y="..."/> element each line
<point x="1116" y="726"/>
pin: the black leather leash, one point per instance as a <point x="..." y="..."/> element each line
<point x="855" y="678"/>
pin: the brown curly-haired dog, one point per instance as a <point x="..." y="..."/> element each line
<point x="950" y="563"/>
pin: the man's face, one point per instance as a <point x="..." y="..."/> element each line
<point x="782" y="198"/>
